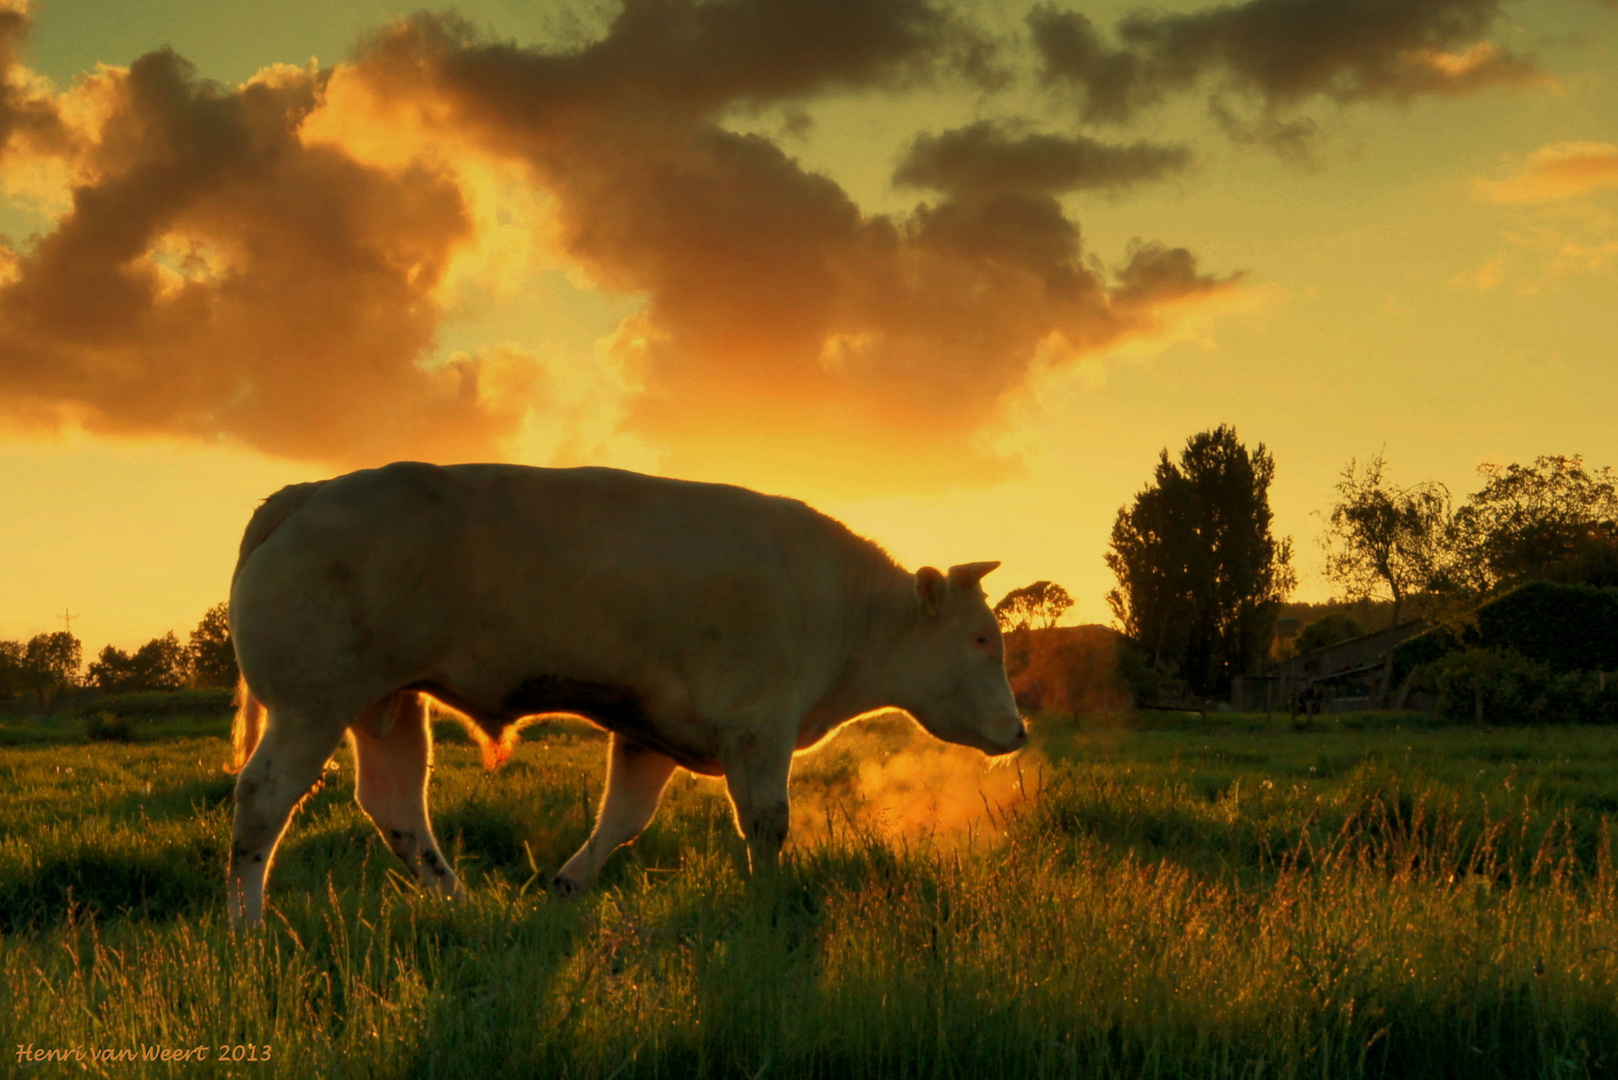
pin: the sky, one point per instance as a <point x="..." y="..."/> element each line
<point x="954" y="274"/>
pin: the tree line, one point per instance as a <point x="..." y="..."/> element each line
<point x="1201" y="577"/>
<point x="47" y="664"/>
<point x="1554" y="520"/>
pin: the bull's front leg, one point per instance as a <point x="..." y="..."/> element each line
<point x="756" y="773"/>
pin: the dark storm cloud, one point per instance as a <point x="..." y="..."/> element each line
<point x="24" y="117"/>
<point x="1282" y="52"/>
<point x="984" y="158"/>
<point x="781" y="321"/>
<point x="696" y="57"/>
<point x="215" y="277"/>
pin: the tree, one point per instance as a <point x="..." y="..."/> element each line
<point x="1200" y="577"/>
<point x="110" y="670"/>
<point x="213" y="656"/>
<point x="1385" y="540"/>
<point x="160" y="664"/>
<point x="1553" y="520"/>
<point x="12" y="668"/>
<point x="1041" y="603"/>
<point x="51" y="663"/>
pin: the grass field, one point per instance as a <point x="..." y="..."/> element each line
<point x="1164" y="897"/>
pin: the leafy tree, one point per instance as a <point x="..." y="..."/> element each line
<point x="1384" y="540"/>
<point x="1200" y="577"/>
<point x="51" y="663"/>
<point x="163" y="663"/>
<point x="110" y="670"/>
<point x="160" y="664"/>
<point x="1041" y="604"/>
<point x="12" y="668"/>
<point x="213" y="656"/>
<point x="1554" y="519"/>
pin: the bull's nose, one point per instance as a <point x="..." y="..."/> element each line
<point x="1022" y="735"/>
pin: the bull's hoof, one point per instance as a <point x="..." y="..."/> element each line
<point x="562" y="888"/>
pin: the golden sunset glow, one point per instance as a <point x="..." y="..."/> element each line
<point x="936" y="270"/>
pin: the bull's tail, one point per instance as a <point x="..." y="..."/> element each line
<point x="247" y="728"/>
<point x="495" y="739"/>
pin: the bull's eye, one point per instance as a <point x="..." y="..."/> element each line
<point x="983" y="639"/>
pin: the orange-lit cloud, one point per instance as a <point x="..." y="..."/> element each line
<point x="785" y="331"/>
<point x="1562" y="170"/>
<point x="215" y="277"/>
<point x="271" y="263"/>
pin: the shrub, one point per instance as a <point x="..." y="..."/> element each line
<point x="153" y="703"/>
<point x="1570" y="627"/>
<point x="1566" y="627"/>
<point x="1423" y="649"/>
<point x="1500" y="686"/>
<point x="106" y="727"/>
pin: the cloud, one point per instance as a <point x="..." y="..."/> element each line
<point x="786" y="333"/>
<point x="1561" y="170"/>
<point x="27" y="116"/>
<point x="1278" y="53"/>
<point x="217" y="278"/>
<point x="985" y="159"/>
<point x="271" y="263"/>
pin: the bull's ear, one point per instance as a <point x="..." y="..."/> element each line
<point x="930" y="589"/>
<point x="968" y="574"/>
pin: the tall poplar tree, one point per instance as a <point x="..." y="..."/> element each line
<point x="1200" y="577"/>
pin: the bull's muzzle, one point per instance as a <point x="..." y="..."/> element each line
<point x="1015" y="739"/>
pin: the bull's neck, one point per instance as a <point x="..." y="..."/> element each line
<point x="882" y="607"/>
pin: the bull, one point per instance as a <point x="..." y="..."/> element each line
<point x="702" y="626"/>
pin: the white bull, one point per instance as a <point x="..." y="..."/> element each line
<point x="702" y="625"/>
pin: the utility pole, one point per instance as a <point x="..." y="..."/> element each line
<point x="67" y="616"/>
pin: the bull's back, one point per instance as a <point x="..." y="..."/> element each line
<point x="599" y="568"/>
<point x="483" y="579"/>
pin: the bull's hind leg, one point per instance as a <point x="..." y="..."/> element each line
<point x="393" y="751"/>
<point x="284" y="767"/>
<point x="636" y="778"/>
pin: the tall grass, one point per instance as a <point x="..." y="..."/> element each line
<point x="1159" y="903"/>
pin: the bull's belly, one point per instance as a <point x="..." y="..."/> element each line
<point x="618" y="709"/>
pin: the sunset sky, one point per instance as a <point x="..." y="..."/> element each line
<point x="953" y="274"/>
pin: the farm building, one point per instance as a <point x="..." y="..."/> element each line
<point x="1342" y="677"/>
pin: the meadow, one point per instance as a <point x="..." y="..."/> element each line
<point x="1154" y="895"/>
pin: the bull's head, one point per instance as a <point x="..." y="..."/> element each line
<point x="951" y="663"/>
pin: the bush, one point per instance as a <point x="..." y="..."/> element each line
<point x="1567" y="627"/>
<point x="1423" y="649"/>
<point x="1074" y="669"/>
<point x="105" y="727"/>
<point x="1509" y="688"/>
<point x="152" y="703"/>
<point x="1570" y="627"/>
